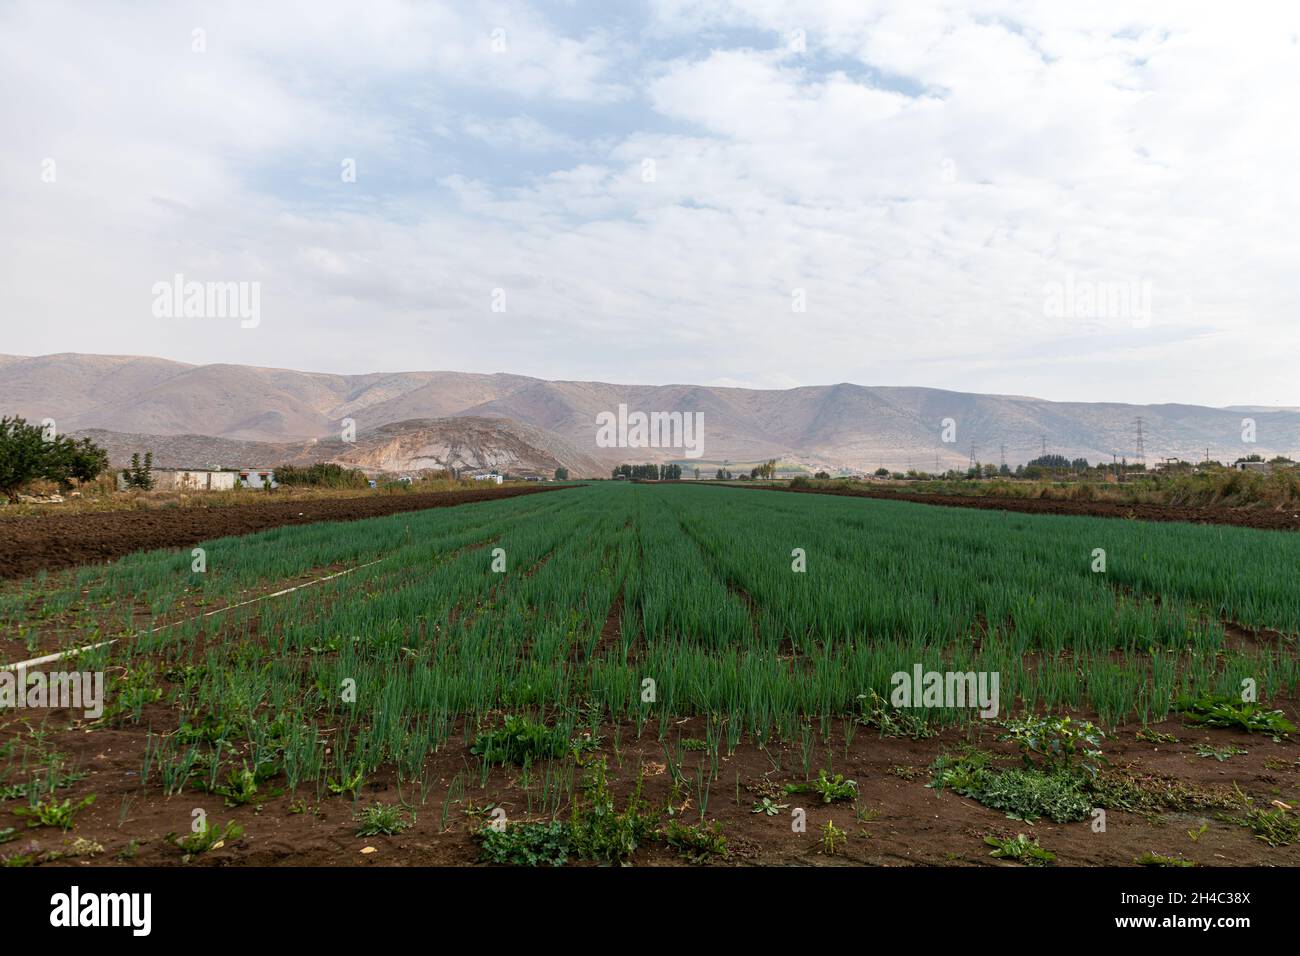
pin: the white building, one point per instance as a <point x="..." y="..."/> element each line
<point x="1263" y="466"/>
<point x="258" y="478"/>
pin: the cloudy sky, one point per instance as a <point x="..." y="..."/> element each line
<point x="1093" y="201"/>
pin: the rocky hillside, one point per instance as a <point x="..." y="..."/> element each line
<point x="467" y="445"/>
<point x="838" y="427"/>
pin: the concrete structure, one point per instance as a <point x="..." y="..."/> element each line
<point x="1252" y="466"/>
<point x="187" y="479"/>
<point x="258" y="478"/>
<point x="495" y="479"/>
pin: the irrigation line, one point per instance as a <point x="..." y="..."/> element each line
<point x="73" y="652"/>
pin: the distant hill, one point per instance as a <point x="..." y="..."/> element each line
<point x="195" y="451"/>
<point x="467" y="445"/>
<point x="842" y="427"/>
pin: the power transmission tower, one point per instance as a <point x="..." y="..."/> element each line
<point x="972" y="455"/>
<point x="1141" y="443"/>
<point x="1004" y="456"/>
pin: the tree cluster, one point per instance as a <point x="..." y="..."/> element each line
<point x="649" y="472"/>
<point x="321" y="475"/>
<point x="27" y="453"/>
<point x="140" y="474"/>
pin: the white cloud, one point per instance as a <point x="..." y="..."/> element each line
<point x="922" y="172"/>
<point x="518" y="132"/>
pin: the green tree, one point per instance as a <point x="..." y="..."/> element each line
<point x="75" y="460"/>
<point x="139" y="475"/>
<point x="1057" y="462"/>
<point x="22" y="455"/>
<point x="321" y="474"/>
<point x="561" y="474"/>
<point x="26" y="454"/>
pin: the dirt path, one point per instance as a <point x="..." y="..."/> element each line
<point x="28" y="545"/>
<point x="1240" y="517"/>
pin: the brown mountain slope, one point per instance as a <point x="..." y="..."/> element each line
<point x="156" y="396"/>
<point x="839" y="427"/>
<point x="463" y="444"/>
<point x="68" y="387"/>
<point x="439" y="394"/>
<point x="469" y="445"/>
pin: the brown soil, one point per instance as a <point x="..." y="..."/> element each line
<point x="899" y="820"/>
<point x="905" y="823"/>
<point x="28" y="545"/>
<point x="1241" y="517"/>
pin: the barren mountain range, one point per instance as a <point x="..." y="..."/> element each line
<point x="200" y="415"/>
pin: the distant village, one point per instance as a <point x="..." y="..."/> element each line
<point x="227" y="479"/>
